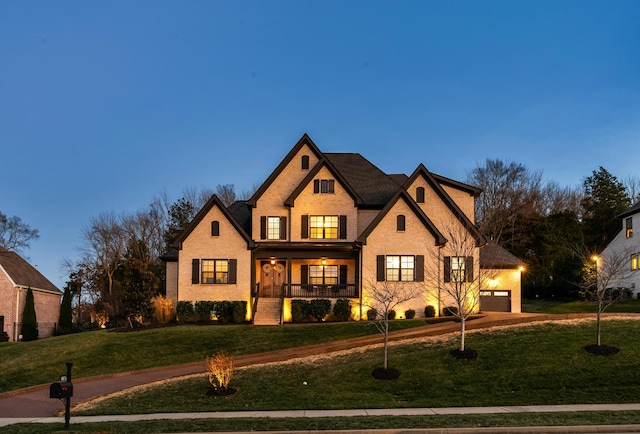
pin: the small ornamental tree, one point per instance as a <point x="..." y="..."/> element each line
<point x="220" y="367"/>
<point x="29" y="329"/>
<point x="601" y="275"/>
<point x="65" y="322"/>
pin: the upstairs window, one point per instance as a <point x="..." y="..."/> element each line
<point x="629" y="227"/>
<point x="305" y="162"/>
<point x="458" y="269"/>
<point x="400" y="223"/>
<point x="273" y="228"/>
<point x="215" y="228"/>
<point x="323" y="226"/>
<point x="325" y="186"/>
<point x="420" y="194"/>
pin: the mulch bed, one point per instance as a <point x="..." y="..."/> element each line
<point x="385" y="374"/>
<point x="602" y="350"/>
<point x="214" y="391"/>
<point x="467" y="354"/>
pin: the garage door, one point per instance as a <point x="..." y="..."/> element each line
<point x="495" y="301"/>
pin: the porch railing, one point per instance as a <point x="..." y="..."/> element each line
<point x="297" y="290"/>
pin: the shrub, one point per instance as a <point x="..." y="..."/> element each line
<point x="185" y="310"/>
<point x="450" y="311"/>
<point x="239" y="311"/>
<point x="372" y="314"/>
<point x="299" y="310"/>
<point x="342" y="309"/>
<point x="429" y="312"/>
<point x="409" y="314"/>
<point x="220" y="366"/>
<point x="224" y="311"/>
<point x="162" y="309"/>
<point x="65" y="321"/>
<point x="319" y="308"/>
<point x="29" y="329"/>
<point x="203" y="309"/>
<point x="391" y="315"/>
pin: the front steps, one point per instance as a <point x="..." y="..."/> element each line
<point x="268" y="312"/>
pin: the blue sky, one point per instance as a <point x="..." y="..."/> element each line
<point x="104" y="104"/>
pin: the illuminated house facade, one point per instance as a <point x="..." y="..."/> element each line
<point x="627" y="242"/>
<point x="327" y="225"/>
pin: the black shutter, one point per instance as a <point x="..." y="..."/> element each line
<point x="215" y="228"/>
<point x="380" y="268"/>
<point x="419" y="271"/>
<point x="343" y="227"/>
<point x="331" y="186"/>
<point x="283" y="228"/>
<point x="304" y="226"/>
<point x="316" y="186"/>
<point x="343" y="274"/>
<point x="420" y="194"/>
<point x="304" y="274"/>
<point x="468" y="269"/>
<point x="233" y="270"/>
<point x="447" y="268"/>
<point x="305" y="162"/>
<point x="263" y="228"/>
<point x="195" y="271"/>
<point x="400" y="223"/>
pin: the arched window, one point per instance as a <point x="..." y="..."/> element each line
<point x="401" y="221"/>
<point x="215" y="228"/>
<point x="305" y="162"/>
<point x="420" y="194"/>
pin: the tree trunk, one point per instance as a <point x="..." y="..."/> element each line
<point x="598" y="322"/>
<point x="386" y="341"/>
<point x="462" y="330"/>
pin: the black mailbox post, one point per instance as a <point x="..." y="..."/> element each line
<point x="63" y="390"/>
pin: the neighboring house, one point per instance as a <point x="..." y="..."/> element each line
<point x="328" y="225"/>
<point x="627" y="242"/>
<point x="502" y="287"/>
<point x="16" y="277"/>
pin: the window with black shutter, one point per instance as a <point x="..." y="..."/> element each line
<point x="343" y="227"/>
<point x="304" y="226"/>
<point x="195" y="271"/>
<point x="215" y="228"/>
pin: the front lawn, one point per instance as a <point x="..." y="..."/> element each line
<point x="577" y="306"/>
<point x="525" y="365"/>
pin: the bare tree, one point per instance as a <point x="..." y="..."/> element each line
<point x="15" y="234"/>
<point x="459" y="291"/>
<point x="632" y="184"/>
<point x="104" y="245"/>
<point x="384" y="297"/>
<point x="603" y="277"/>
<point x="226" y="193"/>
<point x="556" y="199"/>
<point x="509" y="191"/>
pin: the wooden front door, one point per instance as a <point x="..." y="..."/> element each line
<point x="272" y="278"/>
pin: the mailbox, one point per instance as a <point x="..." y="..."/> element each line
<point x="61" y="390"/>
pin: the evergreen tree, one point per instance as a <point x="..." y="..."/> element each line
<point x="29" y="329"/>
<point x="65" y="323"/>
<point x="604" y="198"/>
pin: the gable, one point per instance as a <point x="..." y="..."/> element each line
<point x="439" y="204"/>
<point x="401" y="203"/>
<point x="323" y="171"/>
<point x="213" y="210"/>
<point x="289" y="173"/>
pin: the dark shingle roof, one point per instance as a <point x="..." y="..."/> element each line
<point x="634" y="209"/>
<point x="494" y="256"/>
<point x="374" y="186"/>
<point x="24" y="274"/>
<point x="242" y="213"/>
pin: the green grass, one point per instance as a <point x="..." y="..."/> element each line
<point x="335" y="423"/>
<point x="577" y="306"/>
<point x="24" y="364"/>
<point x="540" y="364"/>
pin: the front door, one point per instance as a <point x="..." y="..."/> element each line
<point x="273" y="275"/>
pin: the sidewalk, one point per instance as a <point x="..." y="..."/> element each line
<point x="34" y="404"/>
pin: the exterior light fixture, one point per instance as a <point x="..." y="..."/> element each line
<point x="273" y="261"/>
<point x="521" y="268"/>
<point x="324" y="261"/>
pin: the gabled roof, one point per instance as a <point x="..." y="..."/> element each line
<point x="24" y="274"/>
<point x="374" y="186"/>
<point x="473" y="191"/>
<point x="214" y="201"/>
<point x="493" y="255"/>
<point x="324" y="162"/>
<point x="304" y="140"/>
<point x="422" y="171"/>
<point x="440" y="240"/>
<point x="633" y="210"/>
<point x="242" y="213"/>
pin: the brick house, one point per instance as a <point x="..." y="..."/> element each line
<point x="327" y="225"/>
<point x="16" y="277"/>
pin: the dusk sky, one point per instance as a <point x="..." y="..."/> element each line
<point x="104" y="104"/>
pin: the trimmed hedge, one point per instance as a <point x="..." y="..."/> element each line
<point x="184" y="310"/>
<point x="319" y="308"/>
<point x="342" y="309"/>
<point x="429" y="312"/>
